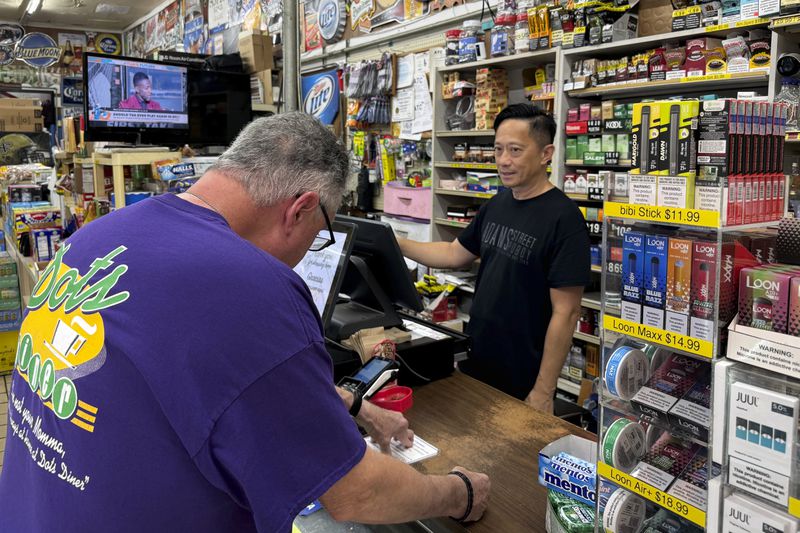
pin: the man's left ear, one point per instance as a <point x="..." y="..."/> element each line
<point x="547" y="154"/>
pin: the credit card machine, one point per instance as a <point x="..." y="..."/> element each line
<point x="371" y="377"/>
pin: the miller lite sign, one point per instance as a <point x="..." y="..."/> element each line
<point x="332" y="20"/>
<point x="321" y="95"/>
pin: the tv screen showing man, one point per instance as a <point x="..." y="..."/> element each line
<point x="142" y="97"/>
<point x="126" y="93"/>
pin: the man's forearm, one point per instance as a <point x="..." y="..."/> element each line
<point x="383" y="490"/>
<point x="430" y="254"/>
<point x="557" y="343"/>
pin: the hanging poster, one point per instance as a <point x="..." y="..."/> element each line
<point x="272" y="15"/>
<point x="313" y="40"/>
<point x="172" y="29"/>
<point x="72" y="91"/>
<point x="136" y="48"/>
<point x="251" y="15"/>
<point x="240" y="10"/>
<point x="72" y="46"/>
<point x="360" y="10"/>
<point x="152" y="37"/>
<point x="321" y="95"/>
<point x="217" y="14"/>
<point x="194" y="26"/>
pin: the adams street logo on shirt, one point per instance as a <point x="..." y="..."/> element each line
<point x="63" y="336"/>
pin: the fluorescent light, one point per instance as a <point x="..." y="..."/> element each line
<point x="33" y="5"/>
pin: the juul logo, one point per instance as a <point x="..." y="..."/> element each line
<point x="746" y="399"/>
<point x="740" y="516"/>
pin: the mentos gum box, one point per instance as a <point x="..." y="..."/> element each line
<point x="655" y="280"/>
<point x="704" y="285"/>
<point x="679" y="279"/>
<point x="764" y="298"/>
<point x="633" y="251"/>
<point x="667" y="385"/>
<point x="567" y="466"/>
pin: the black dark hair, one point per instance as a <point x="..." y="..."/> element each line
<point x="139" y="77"/>
<point x="542" y="125"/>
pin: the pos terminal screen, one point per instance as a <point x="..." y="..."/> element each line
<point x="322" y="271"/>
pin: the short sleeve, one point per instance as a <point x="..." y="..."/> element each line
<point x="470" y="238"/>
<point x="570" y="264"/>
<point x="284" y="442"/>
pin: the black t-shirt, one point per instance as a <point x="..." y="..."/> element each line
<point x="526" y="248"/>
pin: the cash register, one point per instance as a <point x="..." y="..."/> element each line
<point x="361" y="281"/>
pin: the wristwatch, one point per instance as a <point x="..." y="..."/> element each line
<point x="358" y="398"/>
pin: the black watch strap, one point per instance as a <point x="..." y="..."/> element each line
<point x="358" y="399"/>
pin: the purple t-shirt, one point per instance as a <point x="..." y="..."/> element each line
<point x="170" y="377"/>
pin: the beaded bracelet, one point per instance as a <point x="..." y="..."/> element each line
<point x="468" y="483"/>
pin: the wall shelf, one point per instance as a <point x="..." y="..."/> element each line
<point x="699" y="83"/>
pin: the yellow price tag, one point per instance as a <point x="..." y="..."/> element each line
<point x="710" y="77"/>
<point x="669" y="215"/>
<point x="754" y="22"/>
<point x="794" y="507"/>
<point x="718" y="27"/>
<point x="669" y="339"/>
<point x="786" y="21"/>
<point x="667" y="501"/>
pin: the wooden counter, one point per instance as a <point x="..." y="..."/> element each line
<point x="483" y="429"/>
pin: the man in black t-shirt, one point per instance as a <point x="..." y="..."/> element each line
<point x="535" y="261"/>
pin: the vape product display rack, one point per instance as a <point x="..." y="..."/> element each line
<point x="660" y="419"/>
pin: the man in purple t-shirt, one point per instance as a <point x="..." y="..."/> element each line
<point x="171" y="373"/>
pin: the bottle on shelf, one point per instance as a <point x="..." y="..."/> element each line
<point x="522" y="36"/>
<point x="790" y="95"/>
<point x="467" y="41"/>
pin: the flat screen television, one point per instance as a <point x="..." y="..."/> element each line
<point x="134" y="100"/>
<point x="220" y="106"/>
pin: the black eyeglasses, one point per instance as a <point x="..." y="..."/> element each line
<point x="321" y="242"/>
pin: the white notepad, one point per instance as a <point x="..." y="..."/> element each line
<point x="420" y="451"/>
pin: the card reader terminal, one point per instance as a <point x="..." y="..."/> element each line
<point x="371" y="377"/>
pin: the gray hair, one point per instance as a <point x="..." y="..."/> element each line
<point x="285" y="155"/>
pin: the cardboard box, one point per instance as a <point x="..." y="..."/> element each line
<point x="256" y="51"/>
<point x="679" y="272"/>
<point x="764" y="299"/>
<point x="20" y="102"/>
<point x="264" y="80"/>
<point x="8" y="350"/>
<point x="27" y="119"/>
<point x="667" y="385"/>
<point x="704" y="284"/>
<point x="574" y="478"/>
<point x="762" y="430"/>
<point x="655" y="280"/>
